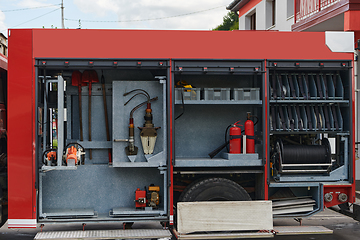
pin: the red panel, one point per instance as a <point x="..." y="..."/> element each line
<point x="21" y="125"/>
<point x="171" y="190"/>
<point x="51" y="43"/>
<point x="335" y="190"/>
<point x="266" y="169"/>
<point x="352" y="21"/>
<point x="352" y="194"/>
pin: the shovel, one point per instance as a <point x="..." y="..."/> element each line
<point x="90" y="76"/>
<point x="76" y="80"/>
<point x="106" y="114"/>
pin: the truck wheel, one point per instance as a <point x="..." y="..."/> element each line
<point x="214" y="189"/>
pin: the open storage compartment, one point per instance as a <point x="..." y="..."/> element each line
<point x="310" y="125"/>
<point x="87" y="173"/>
<point x="296" y="200"/>
<point x="223" y="93"/>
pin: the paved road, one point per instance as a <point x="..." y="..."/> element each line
<point x="344" y="228"/>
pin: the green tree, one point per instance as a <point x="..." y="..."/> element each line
<point x="230" y="22"/>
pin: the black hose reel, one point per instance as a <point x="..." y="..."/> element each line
<point x="303" y="159"/>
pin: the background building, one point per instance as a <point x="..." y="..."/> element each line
<point x="3" y="44"/>
<point x="264" y="14"/>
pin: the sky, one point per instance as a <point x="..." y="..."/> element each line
<point x="113" y="14"/>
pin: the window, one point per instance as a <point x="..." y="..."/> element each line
<point x="253" y="21"/>
<point x="250" y="20"/>
<point x="290" y="8"/>
<point x="270" y="13"/>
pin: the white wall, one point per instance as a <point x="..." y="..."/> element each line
<point x="282" y="21"/>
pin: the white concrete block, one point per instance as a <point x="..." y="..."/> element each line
<point x="224" y="216"/>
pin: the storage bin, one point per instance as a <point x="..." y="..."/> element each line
<point x="246" y="94"/>
<point x="187" y="94"/>
<point x="217" y="94"/>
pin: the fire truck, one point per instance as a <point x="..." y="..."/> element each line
<point x="211" y="128"/>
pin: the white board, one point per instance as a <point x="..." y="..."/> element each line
<point x="224" y="216"/>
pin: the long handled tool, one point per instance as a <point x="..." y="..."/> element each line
<point x="90" y="76"/>
<point x="106" y="114"/>
<point x="77" y="81"/>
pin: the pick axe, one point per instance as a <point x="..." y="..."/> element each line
<point x="76" y="80"/>
<point x="90" y="76"/>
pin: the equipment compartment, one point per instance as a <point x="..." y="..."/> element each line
<point x="302" y="122"/>
<point x="296" y="200"/>
<point x="97" y="189"/>
<point x="86" y="171"/>
<point x="200" y="125"/>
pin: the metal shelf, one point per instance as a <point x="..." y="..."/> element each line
<point x="307" y="132"/>
<point x="218" y="162"/>
<point x="311" y="101"/>
<point x="201" y="102"/>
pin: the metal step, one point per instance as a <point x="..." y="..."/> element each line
<point x="105" y="234"/>
<point x="279" y="230"/>
<point x="239" y="235"/>
<point x="299" y="230"/>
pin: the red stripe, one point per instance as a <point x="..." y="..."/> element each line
<point x="266" y="169"/>
<point x="353" y="194"/>
<point x="171" y="190"/>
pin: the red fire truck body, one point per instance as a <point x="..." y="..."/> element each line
<point x="3" y="137"/>
<point x="298" y="91"/>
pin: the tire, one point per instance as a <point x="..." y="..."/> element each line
<point x="214" y="189"/>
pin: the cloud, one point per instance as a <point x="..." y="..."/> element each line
<point x="99" y="7"/>
<point x="127" y="11"/>
<point x="33" y="3"/>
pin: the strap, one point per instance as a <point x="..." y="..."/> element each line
<point x="335" y="117"/>
<point x="273" y="117"/>
<point x="307" y="85"/>
<point x="235" y="137"/>
<point x="309" y="117"/>
<point x="327" y="120"/>
<point x="326" y="88"/>
<point x="282" y="118"/>
<point x="299" y="117"/>
<point x="274" y="86"/>
<point x="290" y="117"/>
<point x="333" y="78"/>
<point x="291" y="86"/>
<point x="281" y="86"/>
<point x="319" y="86"/>
<point x="251" y="137"/>
<point x="301" y="87"/>
<point x="318" y="117"/>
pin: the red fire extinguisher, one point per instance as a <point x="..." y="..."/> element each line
<point x="235" y="138"/>
<point x="249" y="132"/>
